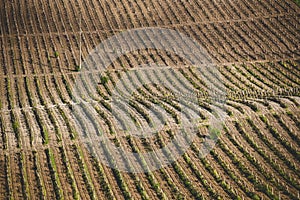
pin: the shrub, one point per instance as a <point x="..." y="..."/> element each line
<point x="78" y="68"/>
<point x="103" y="80"/>
<point x="255" y="197"/>
<point x="214" y="133"/>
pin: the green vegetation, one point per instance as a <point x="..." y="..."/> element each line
<point x="103" y="80"/>
<point x="69" y="173"/>
<point x="53" y="145"/>
<point x="77" y="68"/>
<point x="84" y="170"/>
<point x="45" y="135"/>
<point x="56" y="54"/>
<point x="214" y="133"/>
<point x="54" y="174"/>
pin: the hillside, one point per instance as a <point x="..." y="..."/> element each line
<point x="78" y="79"/>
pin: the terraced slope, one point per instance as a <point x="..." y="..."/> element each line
<point x="255" y="45"/>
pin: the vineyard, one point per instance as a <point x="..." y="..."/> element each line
<point x="255" y="46"/>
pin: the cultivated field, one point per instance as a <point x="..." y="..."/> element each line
<point x="255" y="45"/>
